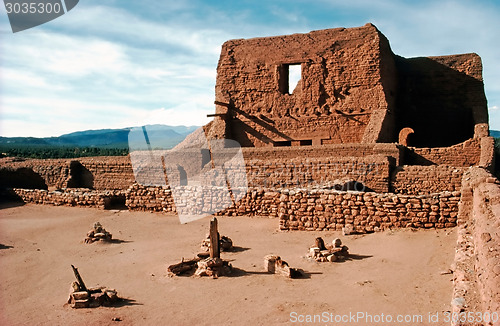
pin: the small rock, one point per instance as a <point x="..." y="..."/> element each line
<point x="486" y="237"/>
<point x="348" y="229"/>
<point x="496" y="269"/>
<point x="331" y="258"/>
<point x="81" y="295"/>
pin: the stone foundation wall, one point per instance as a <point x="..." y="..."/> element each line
<point x="255" y="202"/>
<point x="365" y="212"/>
<point x="316" y="209"/>
<point x="144" y="198"/>
<point x="420" y="180"/>
<point x="68" y="197"/>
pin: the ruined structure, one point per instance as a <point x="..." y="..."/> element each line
<point x="366" y="141"/>
<point x="353" y="89"/>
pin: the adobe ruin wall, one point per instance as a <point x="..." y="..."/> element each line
<point x="339" y="99"/>
<point x="477" y="262"/>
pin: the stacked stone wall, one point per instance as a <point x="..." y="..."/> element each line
<point x="365" y="212"/>
<point x="68" y="197"/>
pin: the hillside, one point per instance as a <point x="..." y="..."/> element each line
<point x="103" y="138"/>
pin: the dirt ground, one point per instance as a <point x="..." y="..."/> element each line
<point x="393" y="273"/>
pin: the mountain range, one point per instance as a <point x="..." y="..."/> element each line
<point x="106" y="138"/>
<point x="114" y="138"/>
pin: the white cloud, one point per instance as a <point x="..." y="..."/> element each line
<point x="122" y="25"/>
<point x="94" y="83"/>
<point x="102" y="66"/>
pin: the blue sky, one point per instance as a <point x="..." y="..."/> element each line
<point x="120" y="63"/>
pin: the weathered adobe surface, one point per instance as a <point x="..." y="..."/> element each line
<point x="379" y="167"/>
<point x="346" y="90"/>
<point x="477" y="262"/>
<point x="441" y="98"/>
<point x="412" y="179"/>
<point x="353" y="89"/>
<point x="101" y="173"/>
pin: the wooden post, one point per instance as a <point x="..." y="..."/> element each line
<point x="214" y="239"/>
<point x="79" y="279"/>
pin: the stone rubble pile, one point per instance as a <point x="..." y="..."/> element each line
<point x="207" y="263"/>
<point x="275" y="265"/>
<point x="213" y="267"/>
<point x="82" y="297"/>
<point x="68" y="196"/>
<point x="225" y="244"/>
<point x="98" y="233"/>
<point x="92" y="298"/>
<point x="322" y="253"/>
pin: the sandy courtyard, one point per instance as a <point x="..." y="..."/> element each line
<point x="391" y="273"/>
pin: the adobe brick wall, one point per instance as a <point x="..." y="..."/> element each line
<point x="441" y="98"/>
<point x="53" y="171"/>
<point x="479" y="225"/>
<point x="107" y="173"/>
<point x="419" y="180"/>
<point x="110" y="172"/>
<point x="353" y="89"/>
<point x="331" y="150"/>
<point x="366" y="212"/>
<point x="372" y="172"/>
<point x="340" y="98"/>
<point x="464" y="154"/>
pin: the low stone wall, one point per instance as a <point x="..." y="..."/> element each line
<point x="149" y="198"/>
<point x="257" y="202"/>
<point x="365" y="212"/>
<point x="160" y="199"/>
<point x="421" y="180"/>
<point x="68" y="197"/>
